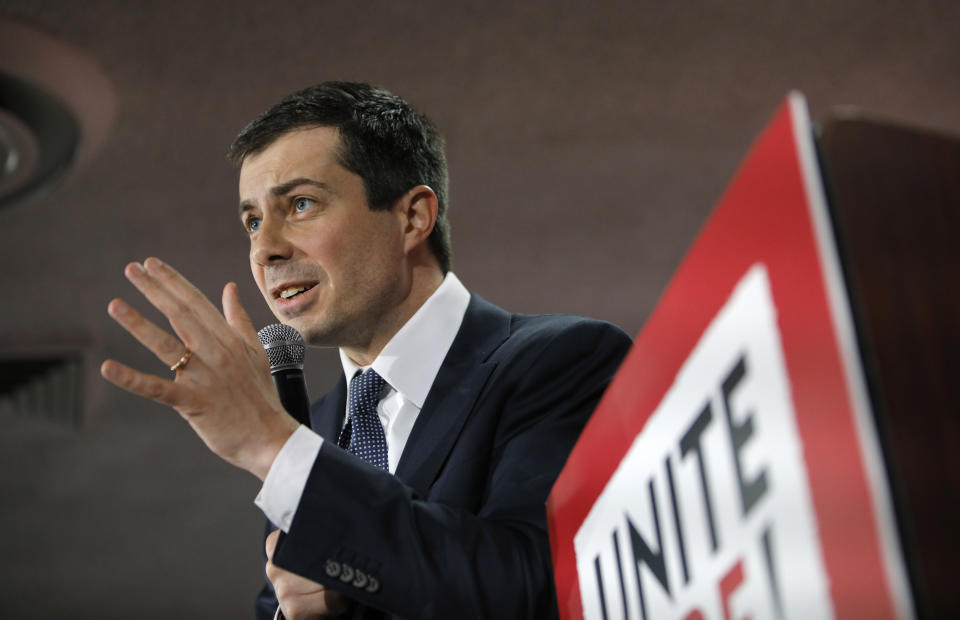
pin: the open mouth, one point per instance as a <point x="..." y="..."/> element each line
<point x="289" y="292"/>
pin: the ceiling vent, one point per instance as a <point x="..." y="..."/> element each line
<point x="50" y="388"/>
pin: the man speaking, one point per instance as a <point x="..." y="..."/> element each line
<point x="419" y="489"/>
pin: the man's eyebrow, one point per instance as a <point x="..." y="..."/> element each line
<point x="283" y="189"/>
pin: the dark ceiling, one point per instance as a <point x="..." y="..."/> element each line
<point x="587" y="143"/>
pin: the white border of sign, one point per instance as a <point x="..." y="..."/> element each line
<point x="846" y="337"/>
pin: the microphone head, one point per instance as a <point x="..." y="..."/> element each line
<point x="284" y="347"/>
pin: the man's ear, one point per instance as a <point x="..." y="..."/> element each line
<point x="418" y="208"/>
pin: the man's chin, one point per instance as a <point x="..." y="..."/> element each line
<point x="313" y="334"/>
<point x="295" y="322"/>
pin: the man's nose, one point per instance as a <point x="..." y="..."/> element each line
<point x="270" y="245"/>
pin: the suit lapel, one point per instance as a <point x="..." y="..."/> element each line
<point x="451" y="399"/>
<point x="326" y="415"/>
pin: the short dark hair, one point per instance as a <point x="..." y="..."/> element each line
<point x="383" y="140"/>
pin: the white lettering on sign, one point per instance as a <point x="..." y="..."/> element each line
<point x="709" y="513"/>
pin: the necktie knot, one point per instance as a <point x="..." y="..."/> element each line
<point x="363" y="435"/>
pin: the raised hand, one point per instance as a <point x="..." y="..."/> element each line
<point x="223" y="388"/>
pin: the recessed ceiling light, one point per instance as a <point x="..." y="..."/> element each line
<point x="56" y="106"/>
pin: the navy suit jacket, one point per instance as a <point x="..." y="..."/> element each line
<point x="460" y="531"/>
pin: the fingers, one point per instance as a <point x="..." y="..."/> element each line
<point x="316" y="603"/>
<point x="237" y="317"/>
<point x="167" y="348"/>
<point x="288" y="585"/>
<point x="180" y="287"/>
<point x="149" y="386"/>
<point x="187" y="309"/>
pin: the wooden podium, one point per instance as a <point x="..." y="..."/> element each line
<point x="779" y="441"/>
<point x="894" y="195"/>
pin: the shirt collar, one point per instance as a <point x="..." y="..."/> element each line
<point x="412" y="358"/>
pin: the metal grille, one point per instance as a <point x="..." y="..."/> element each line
<point x="284" y="346"/>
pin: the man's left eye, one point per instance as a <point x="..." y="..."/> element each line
<point x="302" y="204"/>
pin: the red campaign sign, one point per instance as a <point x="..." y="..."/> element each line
<point x="732" y="469"/>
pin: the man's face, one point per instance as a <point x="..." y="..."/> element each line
<point x="326" y="264"/>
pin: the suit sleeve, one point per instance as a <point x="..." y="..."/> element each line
<point x="426" y="559"/>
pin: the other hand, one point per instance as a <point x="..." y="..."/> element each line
<point x="300" y="598"/>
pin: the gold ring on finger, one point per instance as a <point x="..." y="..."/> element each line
<point x="182" y="362"/>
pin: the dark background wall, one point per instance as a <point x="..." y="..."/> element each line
<point x="587" y="143"/>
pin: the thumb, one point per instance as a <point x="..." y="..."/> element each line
<point x="271" y="543"/>
<point x="237" y="317"/>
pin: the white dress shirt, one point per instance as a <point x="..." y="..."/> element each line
<point x="408" y="363"/>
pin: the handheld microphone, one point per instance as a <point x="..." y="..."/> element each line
<point x="285" y="350"/>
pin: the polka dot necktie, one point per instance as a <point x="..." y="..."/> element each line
<point x="363" y="435"/>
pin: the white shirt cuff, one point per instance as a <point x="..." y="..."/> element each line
<point x="281" y="491"/>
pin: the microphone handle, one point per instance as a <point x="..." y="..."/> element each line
<point x="293" y="394"/>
